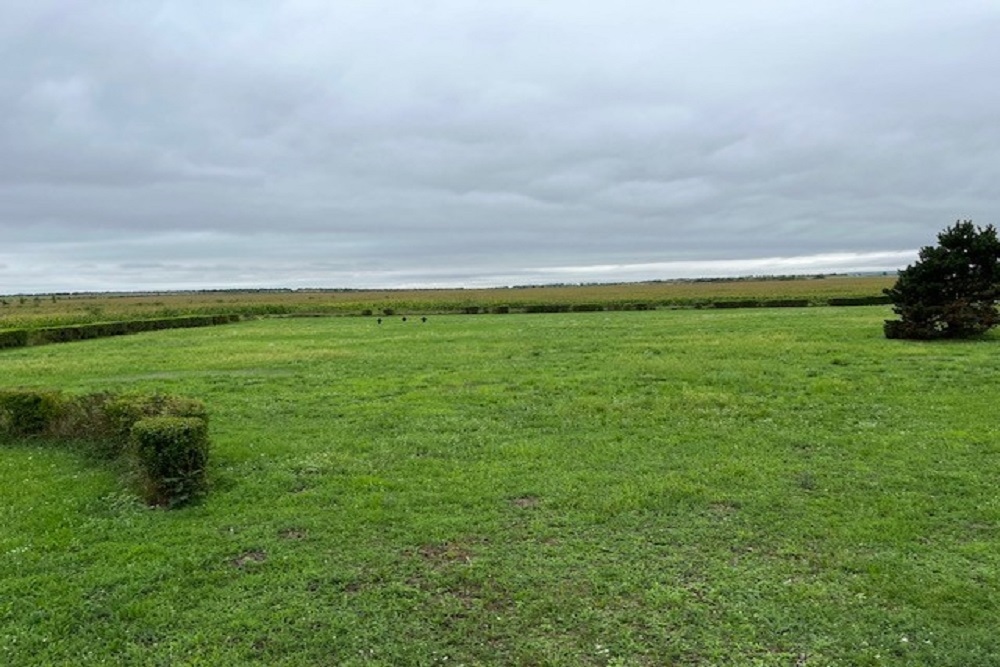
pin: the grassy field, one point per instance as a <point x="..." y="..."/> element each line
<point x="44" y="310"/>
<point x="691" y="487"/>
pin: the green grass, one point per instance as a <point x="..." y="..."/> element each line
<point x="774" y="487"/>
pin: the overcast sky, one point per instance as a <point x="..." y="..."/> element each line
<point x="368" y="143"/>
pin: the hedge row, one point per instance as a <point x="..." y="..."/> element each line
<point x="786" y="303"/>
<point x="74" y="332"/>
<point x="860" y="301"/>
<point x="767" y="303"/>
<point x="13" y="338"/>
<point x="547" y="308"/>
<point x="597" y="307"/>
<point x="584" y="307"/>
<point x="163" y="438"/>
<point x="734" y="303"/>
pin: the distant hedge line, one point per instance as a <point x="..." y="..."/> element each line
<point x="162" y="438"/>
<point x="598" y="307"/>
<point x="860" y="301"/>
<point x="75" y="332"/>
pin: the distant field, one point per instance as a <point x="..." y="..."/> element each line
<point x="676" y="487"/>
<point x="43" y="310"/>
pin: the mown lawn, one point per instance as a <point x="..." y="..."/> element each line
<point x="755" y="487"/>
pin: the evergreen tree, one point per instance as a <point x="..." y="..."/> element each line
<point x="952" y="290"/>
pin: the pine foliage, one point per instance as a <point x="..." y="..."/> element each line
<point x="952" y="290"/>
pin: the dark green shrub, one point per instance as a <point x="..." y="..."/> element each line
<point x="953" y="288"/>
<point x="737" y="304"/>
<point x="75" y="332"/>
<point x="13" y="338"/>
<point x="470" y="310"/>
<point x="859" y="301"/>
<point x="85" y="418"/>
<point x="110" y="329"/>
<point x="183" y="322"/>
<point x="586" y="307"/>
<point x="500" y="310"/>
<point x="51" y="335"/>
<point x="367" y="312"/>
<point x="122" y="412"/>
<point x="170" y="455"/>
<point x="164" y="436"/>
<point x="26" y="412"/>
<point x="785" y="303"/>
<point x="547" y="308"/>
<point x="899" y="329"/>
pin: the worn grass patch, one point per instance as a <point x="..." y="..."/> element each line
<point x="652" y="488"/>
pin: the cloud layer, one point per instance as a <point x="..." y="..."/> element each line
<point x="307" y="143"/>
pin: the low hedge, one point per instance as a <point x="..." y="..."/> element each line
<point x="25" y="412"/>
<point x="13" y="338"/>
<point x="75" y="332"/>
<point x="547" y="308"/>
<point x="736" y="304"/>
<point x="859" y="301"/>
<point x="169" y="454"/>
<point x="785" y="303"/>
<point x="164" y="437"/>
<point x="122" y="412"/>
<point x="766" y="303"/>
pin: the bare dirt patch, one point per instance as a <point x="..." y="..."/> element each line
<point x="248" y="557"/>
<point x="525" y="502"/>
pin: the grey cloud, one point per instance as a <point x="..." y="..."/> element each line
<point x="379" y="141"/>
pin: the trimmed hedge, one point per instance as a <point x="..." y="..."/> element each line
<point x="25" y="412"/>
<point x="859" y="301"/>
<point x="74" y="332"/>
<point x="785" y="303"/>
<point x="13" y="338"/>
<point x="170" y="455"/>
<point x="736" y="304"/>
<point x="547" y="308"/>
<point x="123" y="412"/>
<point x="164" y="437"/>
<point x="772" y="303"/>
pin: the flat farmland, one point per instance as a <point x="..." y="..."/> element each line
<point x="668" y="487"/>
<point x="44" y="310"/>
